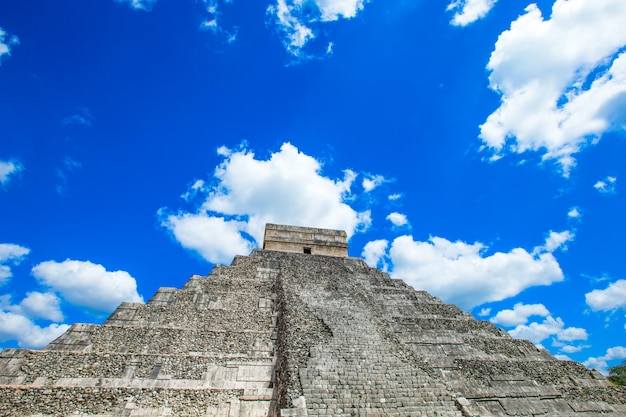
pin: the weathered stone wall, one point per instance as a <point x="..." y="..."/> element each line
<point x="207" y="349"/>
<point x="298" y="335"/>
<point x="305" y="240"/>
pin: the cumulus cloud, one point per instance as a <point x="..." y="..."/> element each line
<point x="465" y="275"/>
<point x="39" y="305"/>
<point x="28" y="334"/>
<point x="519" y="314"/>
<point x="296" y="19"/>
<point x="574" y="213"/>
<point x="557" y="94"/>
<point x="374" y="251"/>
<point x="247" y="193"/>
<point x="88" y="285"/>
<point x="139" y="4"/>
<point x="398" y="219"/>
<point x="371" y="182"/>
<point x="538" y="332"/>
<point x="9" y="169"/>
<point x="610" y="298"/>
<point x="606" y="186"/>
<point x="600" y="362"/>
<point x="6" y="43"/>
<point x="557" y="240"/>
<point x="469" y="11"/>
<point x="10" y="254"/>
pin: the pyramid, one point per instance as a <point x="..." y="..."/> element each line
<point x="297" y="328"/>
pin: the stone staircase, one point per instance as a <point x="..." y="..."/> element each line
<point x="295" y="334"/>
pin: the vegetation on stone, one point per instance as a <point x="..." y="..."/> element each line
<point x="617" y="374"/>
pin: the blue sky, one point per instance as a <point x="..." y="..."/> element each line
<point x="475" y="149"/>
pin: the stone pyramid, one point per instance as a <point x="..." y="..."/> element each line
<point x="297" y="328"/>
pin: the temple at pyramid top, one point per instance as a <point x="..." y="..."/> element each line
<point x="309" y="240"/>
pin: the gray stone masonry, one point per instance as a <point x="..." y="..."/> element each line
<point x="296" y="334"/>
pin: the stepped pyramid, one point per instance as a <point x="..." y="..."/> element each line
<point x="297" y="328"/>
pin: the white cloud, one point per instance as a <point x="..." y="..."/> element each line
<point x="574" y="213"/>
<point x="557" y="240"/>
<point x="213" y="22"/>
<point x="39" y="305"/>
<point x="295" y="19"/>
<point x="537" y="332"/>
<point x="89" y="285"/>
<point x="611" y="298"/>
<point x="8" y="169"/>
<point x="6" y="43"/>
<point x="5" y="272"/>
<point x="571" y="334"/>
<point x="606" y="186"/>
<point x="374" y="251"/>
<point x="83" y="117"/>
<point x="398" y="219"/>
<point x="469" y="11"/>
<point x="13" y="254"/>
<point x="562" y="80"/>
<point x="484" y="312"/>
<point x="600" y="363"/>
<point x="28" y="334"/>
<point x="573" y="349"/>
<point x="287" y="188"/>
<point x="462" y="274"/>
<point x="217" y="240"/>
<point x="69" y="166"/>
<point x="139" y="4"/>
<point x="394" y="197"/>
<point x="519" y="314"/>
<point x="371" y="182"/>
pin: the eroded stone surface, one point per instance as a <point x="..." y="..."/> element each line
<point x="299" y="335"/>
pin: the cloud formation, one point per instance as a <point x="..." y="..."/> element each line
<point x="10" y="254"/>
<point x="610" y="298"/>
<point x="372" y="181"/>
<point x="212" y="21"/>
<point x="38" y="305"/>
<point x="88" y="285"/>
<point x="139" y="4"/>
<point x="398" y="219"/>
<point x="519" y="314"/>
<point x="296" y="20"/>
<point x="606" y="186"/>
<point x="558" y="95"/>
<point x="7" y="170"/>
<point x="538" y="332"/>
<point x="574" y="213"/>
<point x="83" y="117"/>
<point x="556" y="240"/>
<point x="463" y="274"/>
<point x="28" y="334"/>
<point x="247" y="193"/>
<point x="469" y="11"/>
<point x="374" y="252"/>
<point x="6" y="43"/>
<point x="600" y="362"/>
